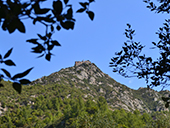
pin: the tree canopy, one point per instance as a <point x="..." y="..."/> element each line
<point x="131" y="62"/>
<point x="58" y="16"/>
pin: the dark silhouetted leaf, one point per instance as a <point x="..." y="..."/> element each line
<point x="132" y="31"/>
<point x="119" y="61"/>
<point x="42" y="37"/>
<point x="25" y="81"/>
<point x="40" y="56"/>
<point x="91" y="1"/>
<point x="60" y="18"/>
<point x="152" y="47"/>
<point x="37" y="19"/>
<point x="66" y="1"/>
<point x="84" y="4"/>
<point x="4" y="25"/>
<point x="20" y="26"/>
<point x="56" y="43"/>
<point x="52" y="28"/>
<point x="119" y="53"/>
<point x="6" y="73"/>
<point x="36" y="7"/>
<point x="67" y="25"/>
<point x="130" y="37"/>
<point x="48" y="56"/>
<point x="69" y="14"/>
<point x="81" y="10"/>
<point x="166" y="24"/>
<point x="50" y="47"/>
<point x="0" y="56"/>
<point x="42" y="11"/>
<point x="34" y="41"/>
<point x="153" y="43"/>
<point x="50" y="20"/>
<point x="114" y="70"/>
<point x="12" y="26"/>
<point x="90" y="14"/>
<point x="58" y="27"/>
<point x="38" y="49"/>
<point x="151" y="3"/>
<point x="9" y="63"/>
<point x="20" y="75"/>
<point x="38" y="10"/>
<point x="149" y="59"/>
<point x="25" y="5"/>
<point x="126" y="30"/>
<point x="58" y="7"/>
<point x="7" y="54"/>
<point x="49" y="15"/>
<point x="49" y="35"/>
<point x="141" y="57"/>
<point x="17" y="87"/>
<point x="129" y="25"/>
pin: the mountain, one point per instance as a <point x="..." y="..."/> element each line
<point x="92" y="83"/>
<point x="81" y="96"/>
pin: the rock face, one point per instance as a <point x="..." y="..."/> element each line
<point x="93" y="83"/>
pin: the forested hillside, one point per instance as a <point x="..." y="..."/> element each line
<point x="92" y="82"/>
<point x="81" y="96"/>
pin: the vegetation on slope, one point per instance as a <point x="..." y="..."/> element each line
<point x="59" y="106"/>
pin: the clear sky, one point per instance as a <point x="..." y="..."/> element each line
<point x="96" y="40"/>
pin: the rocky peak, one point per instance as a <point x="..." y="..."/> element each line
<point x="92" y="82"/>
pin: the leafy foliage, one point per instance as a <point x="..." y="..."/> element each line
<point x="85" y="7"/>
<point x="130" y="62"/>
<point x="161" y="6"/>
<point x="60" y="15"/>
<point x="49" y="106"/>
<point x="18" y="78"/>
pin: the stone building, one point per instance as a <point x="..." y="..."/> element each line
<point x="77" y="63"/>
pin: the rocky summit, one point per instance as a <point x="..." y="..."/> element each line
<point x="92" y="83"/>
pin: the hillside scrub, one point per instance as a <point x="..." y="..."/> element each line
<point x="58" y="106"/>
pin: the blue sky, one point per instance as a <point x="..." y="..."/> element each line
<point x="96" y="40"/>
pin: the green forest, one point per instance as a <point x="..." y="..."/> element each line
<point x="52" y="106"/>
<point x="63" y="104"/>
